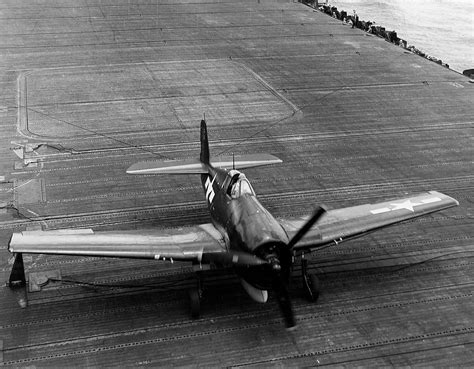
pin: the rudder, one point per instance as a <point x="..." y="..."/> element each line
<point x="204" y="143"/>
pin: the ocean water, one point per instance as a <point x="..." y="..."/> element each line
<point x="440" y="28"/>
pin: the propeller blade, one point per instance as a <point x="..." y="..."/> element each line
<point x="281" y="291"/>
<point x="318" y="213"/>
<point x="233" y="258"/>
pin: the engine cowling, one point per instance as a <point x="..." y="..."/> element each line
<point x="278" y="261"/>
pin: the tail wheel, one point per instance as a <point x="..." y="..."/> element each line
<point x="195" y="302"/>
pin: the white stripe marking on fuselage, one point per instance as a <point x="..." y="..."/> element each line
<point x="209" y="190"/>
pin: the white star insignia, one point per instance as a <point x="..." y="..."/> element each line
<point x="405" y="205"/>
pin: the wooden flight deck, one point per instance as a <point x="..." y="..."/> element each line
<point x="89" y="88"/>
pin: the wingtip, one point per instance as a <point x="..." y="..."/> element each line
<point x="131" y="169"/>
<point x="440" y="194"/>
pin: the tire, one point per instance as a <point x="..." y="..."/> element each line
<point x="195" y="303"/>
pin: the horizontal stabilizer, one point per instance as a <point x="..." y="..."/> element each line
<point x="185" y="166"/>
<point x="194" y="166"/>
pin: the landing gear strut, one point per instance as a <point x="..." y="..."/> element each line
<point x="311" y="282"/>
<point x="195" y="302"/>
<point x="195" y="296"/>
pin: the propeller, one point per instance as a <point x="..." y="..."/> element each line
<point x="283" y="298"/>
<point x="279" y="285"/>
<point x="318" y="213"/>
<point x="278" y="259"/>
<point x="281" y="269"/>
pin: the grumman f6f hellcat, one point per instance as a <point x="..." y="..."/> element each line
<point x="242" y="234"/>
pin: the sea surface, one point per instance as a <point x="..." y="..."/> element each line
<point x="440" y="28"/>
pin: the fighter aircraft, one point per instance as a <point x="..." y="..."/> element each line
<point x="242" y="233"/>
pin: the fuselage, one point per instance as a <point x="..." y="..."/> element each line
<point x="243" y="222"/>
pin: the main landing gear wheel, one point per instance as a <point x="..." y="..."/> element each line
<point x="311" y="283"/>
<point x="195" y="302"/>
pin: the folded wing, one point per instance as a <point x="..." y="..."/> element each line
<point x="341" y="224"/>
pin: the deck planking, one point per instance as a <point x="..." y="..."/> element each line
<point x="93" y="88"/>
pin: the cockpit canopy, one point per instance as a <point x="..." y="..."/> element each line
<point x="239" y="185"/>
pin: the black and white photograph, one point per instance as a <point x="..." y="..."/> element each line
<point x="236" y="183"/>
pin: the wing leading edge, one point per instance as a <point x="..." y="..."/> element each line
<point x="201" y="244"/>
<point x="186" y="244"/>
<point x="346" y="223"/>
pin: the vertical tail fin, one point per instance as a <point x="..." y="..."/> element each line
<point x="204" y="143"/>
